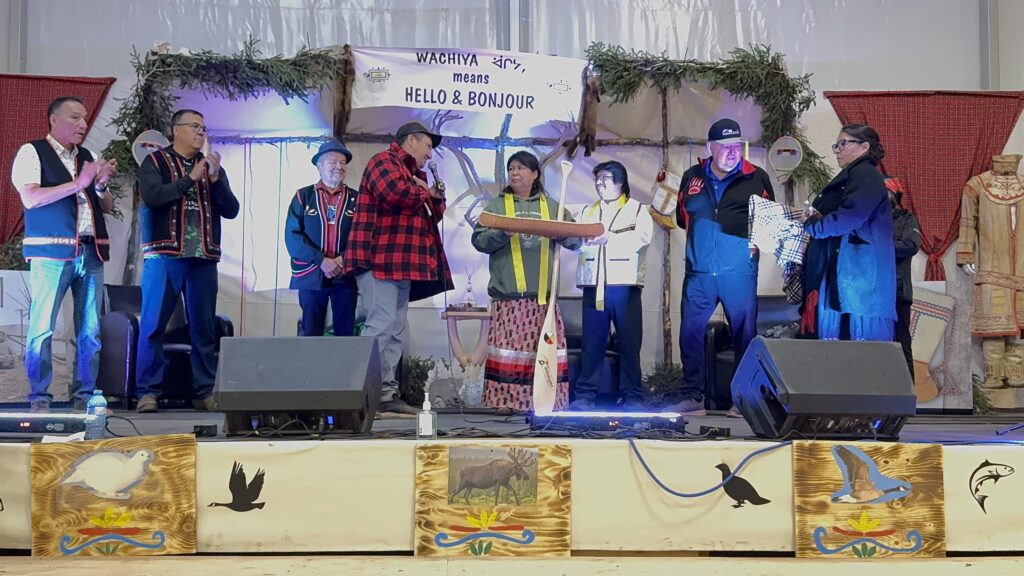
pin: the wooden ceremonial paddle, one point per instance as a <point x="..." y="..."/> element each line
<point x="545" y="228"/>
<point x="545" y="369"/>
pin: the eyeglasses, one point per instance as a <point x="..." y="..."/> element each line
<point x="334" y="163"/>
<point x="604" y="176"/>
<point x="841" y="144"/>
<point x="197" y="128"/>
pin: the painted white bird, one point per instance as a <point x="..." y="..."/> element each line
<point x="110" y="473"/>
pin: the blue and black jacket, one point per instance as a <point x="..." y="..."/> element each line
<point x="717" y="231"/>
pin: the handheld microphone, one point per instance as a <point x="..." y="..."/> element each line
<point x="437" y="179"/>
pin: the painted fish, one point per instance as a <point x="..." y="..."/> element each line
<point x="984" y="472"/>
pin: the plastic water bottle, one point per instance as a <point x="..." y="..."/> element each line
<point x="96" y="416"/>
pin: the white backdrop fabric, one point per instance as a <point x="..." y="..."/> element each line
<point x="869" y="44"/>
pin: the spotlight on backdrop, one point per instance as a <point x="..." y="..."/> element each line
<point x="824" y="389"/>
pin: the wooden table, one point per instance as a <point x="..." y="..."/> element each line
<point x="454" y="316"/>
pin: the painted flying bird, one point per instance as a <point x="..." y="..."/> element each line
<point x="740" y="490"/>
<point x="862" y="482"/>
<point x="243" y="497"/>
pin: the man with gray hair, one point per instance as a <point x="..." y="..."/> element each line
<point x="316" y="232"/>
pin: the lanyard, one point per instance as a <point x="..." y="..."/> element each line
<point x="602" y="254"/>
<point x="517" y="252"/>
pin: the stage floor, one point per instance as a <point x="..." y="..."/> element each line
<point x="937" y="428"/>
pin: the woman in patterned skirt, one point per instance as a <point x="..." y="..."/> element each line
<point x="520" y="266"/>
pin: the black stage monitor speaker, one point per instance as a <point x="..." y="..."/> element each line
<point x="824" y="389"/>
<point x="297" y="385"/>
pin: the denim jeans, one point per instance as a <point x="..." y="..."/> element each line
<point x="163" y="280"/>
<point x="342" y="296"/>
<point x="387" y="305"/>
<point x="49" y="282"/>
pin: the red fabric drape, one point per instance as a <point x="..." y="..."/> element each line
<point x="934" y="142"/>
<point x="23" y="103"/>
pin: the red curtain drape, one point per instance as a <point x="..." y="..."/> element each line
<point x="934" y="142"/>
<point x="23" y="103"/>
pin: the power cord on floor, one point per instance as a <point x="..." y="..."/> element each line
<point x="114" y="434"/>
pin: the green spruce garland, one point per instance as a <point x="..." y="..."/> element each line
<point x="234" y="77"/>
<point x="756" y="73"/>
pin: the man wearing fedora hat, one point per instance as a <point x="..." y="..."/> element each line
<point x="316" y="231"/>
<point x="720" y="264"/>
<point x="394" y="248"/>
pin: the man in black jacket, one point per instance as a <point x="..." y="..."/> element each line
<point x="907" y="238"/>
<point x="185" y="194"/>
<point x="721" y="266"/>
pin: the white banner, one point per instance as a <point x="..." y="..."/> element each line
<point x="469" y="80"/>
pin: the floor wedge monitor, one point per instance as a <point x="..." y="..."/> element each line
<point x="824" y="389"/>
<point x="298" y="386"/>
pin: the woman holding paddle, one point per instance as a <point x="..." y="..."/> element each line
<point x="522" y="269"/>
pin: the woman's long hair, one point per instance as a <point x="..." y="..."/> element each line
<point x="531" y="162"/>
<point x="866" y="133"/>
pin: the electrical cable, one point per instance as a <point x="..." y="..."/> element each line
<point x="726" y="480"/>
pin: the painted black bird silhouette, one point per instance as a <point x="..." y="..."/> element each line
<point x="740" y="490"/>
<point x="243" y="497"/>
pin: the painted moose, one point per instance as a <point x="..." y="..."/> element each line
<point x="495" y="474"/>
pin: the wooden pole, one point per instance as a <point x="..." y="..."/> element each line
<point x="666" y="253"/>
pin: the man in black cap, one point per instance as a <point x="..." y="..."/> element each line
<point x="721" y="265"/>
<point x="316" y="232"/>
<point x="394" y="248"/>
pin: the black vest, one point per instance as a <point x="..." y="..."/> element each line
<point x="163" y="227"/>
<point x="51" y="231"/>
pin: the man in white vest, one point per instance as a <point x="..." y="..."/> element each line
<point x="611" y="272"/>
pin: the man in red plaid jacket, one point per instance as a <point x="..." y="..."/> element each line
<point x="394" y="248"/>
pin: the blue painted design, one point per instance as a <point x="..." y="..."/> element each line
<point x="442" y="538"/>
<point x="158" y="537"/>
<point x="862" y="482"/>
<point x="914" y="537"/>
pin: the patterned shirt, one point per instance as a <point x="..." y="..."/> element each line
<point x="193" y="247"/>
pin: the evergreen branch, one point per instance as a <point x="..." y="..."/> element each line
<point x="756" y="73"/>
<point x="240" y="76"/>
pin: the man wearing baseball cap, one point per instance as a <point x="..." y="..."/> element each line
<point x="394" y="248"/>
<point x="720" y="264"/>
<point x="316" y="232"/>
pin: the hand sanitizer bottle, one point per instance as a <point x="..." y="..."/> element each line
<point x="426" y="420"/>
